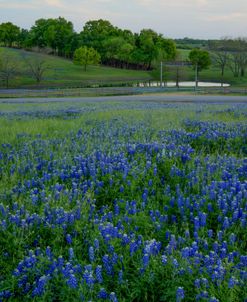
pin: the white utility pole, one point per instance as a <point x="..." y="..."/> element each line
<point x="196" y="79"/>
<point x="161" y="74"/>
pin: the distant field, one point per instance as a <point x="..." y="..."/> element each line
<point x="212" y="73"/>
<point x="62" y="72"/>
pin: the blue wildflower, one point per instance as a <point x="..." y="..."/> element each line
<point x="40" y="286"/>
<point x="113" y="297"/>
<point x="180" y="294"/>
<point x="102" y="294"/>
<point x="91" y="253"/>
<point x="98" y="273"/>
<point x="72" y="281"/>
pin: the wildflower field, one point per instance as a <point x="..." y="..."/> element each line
<point x="123" y="201"/>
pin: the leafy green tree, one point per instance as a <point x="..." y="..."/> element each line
<point x="168" y="48"/>
<point x="71" y="44"/>
<point x="151" y="48"/>
<point x="9" y="34"/>
<point x="147" y="49"/>
<point x="58" y="34"/>
<point x="86" y="56"/>
<point x="95" y="33"/>
<point x="38" y="33"/>
<point x="118" y="51"/>
<point x="23" y="39"/>
<point x="200" y="60"/>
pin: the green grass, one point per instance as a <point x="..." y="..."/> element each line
<point x="63" y="73"/>
<point x="57" y="126"/>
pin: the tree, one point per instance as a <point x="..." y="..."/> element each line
<point x="23" y="39"/>
<point x="200" y="60"/>
<point x="178" y="69"/>
<point x="95" y="32"/>
<point x="151" y="48"/>
<point x="86" y="56"/>
<point x="118" y="51"/>
<point x="231" y="53"/>
<point x="36" y="67"/>
<point x="58" y="34"/>
<point x="9" y="34"/>
<point x="220" y="56"/>
<point x="8" y="68"/>
<point x="238" y="56"/>
<point x="221" y="59"/>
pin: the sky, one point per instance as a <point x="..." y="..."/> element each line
<point x="206" y="19"/>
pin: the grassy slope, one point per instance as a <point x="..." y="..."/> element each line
<point x="62" y="72"/>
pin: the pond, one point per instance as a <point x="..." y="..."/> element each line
<point x="181" y="84"/>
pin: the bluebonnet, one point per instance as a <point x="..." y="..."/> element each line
<point x="71" y="253"/>
<point x="145" y="260"/>
<point x="197" y="283"/>
<point x="113" y="297"/>
<point x="98" y="273"/>
<point x="180" y="294"/>
<point x="164" y="259"/>
<point x="107" y="264"/>
<point x="232" y="282"/>
<point x="96" y="244"/>
<point x="88" y="277"/>
<point x="120" y="277"/>
<point x="40" y="286"/>
<point x="91" y="253"/>
<point x="72" y="281"/>
<point x="102" y="294"/>
<point x="5" y="294"/>
<point x="69" y="239"/>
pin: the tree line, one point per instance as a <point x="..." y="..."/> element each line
<point x="116" y="47"/>
<point x="231" y="53"/>
<point x="101" y="42"/>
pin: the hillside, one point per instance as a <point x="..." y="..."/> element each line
<point x="61" y="72"/>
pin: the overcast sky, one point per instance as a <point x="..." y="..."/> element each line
<point x="173" y="18"/>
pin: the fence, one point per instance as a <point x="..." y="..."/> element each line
<point x="107" y="91"/>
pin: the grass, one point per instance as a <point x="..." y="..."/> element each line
<point x="63" y="73"/>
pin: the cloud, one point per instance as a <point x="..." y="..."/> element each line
<point x="174" y="3"/>
<point x="237" y="16"/>
<point x="171" y="17"/>
<point x="33" y="4"/>
<point x="55" y="3"/>
<point x="18" y="5"/>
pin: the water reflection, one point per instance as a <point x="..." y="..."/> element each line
<point x="181" y="84"/>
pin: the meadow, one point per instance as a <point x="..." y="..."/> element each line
<point x="62" y="73"/>
<point x="123" y="201"/>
